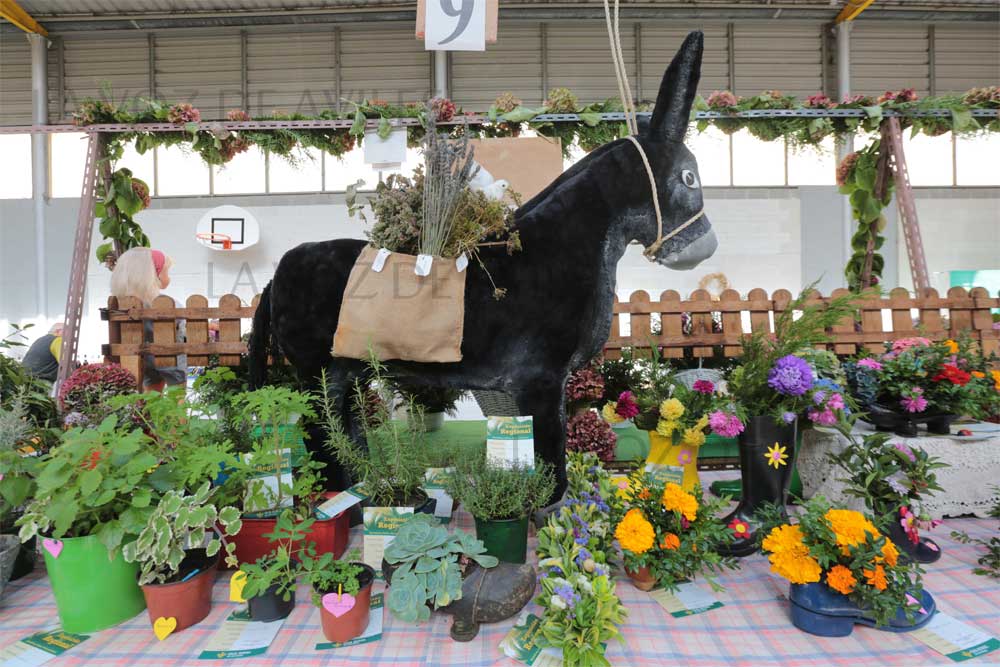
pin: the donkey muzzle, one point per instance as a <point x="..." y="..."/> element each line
<point x="693" y="253"/>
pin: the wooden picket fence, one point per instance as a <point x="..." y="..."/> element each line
<point x="733" y="316"/>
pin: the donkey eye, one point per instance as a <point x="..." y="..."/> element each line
<point x="689" y="178"/>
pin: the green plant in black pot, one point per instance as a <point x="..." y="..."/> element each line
<point x="271" y="582"/>
<point x="391" y="467"/>
<point x="501" y="499"/>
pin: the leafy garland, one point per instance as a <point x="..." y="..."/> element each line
<point x="217" y="145"/>
<point x="865" y="177"/>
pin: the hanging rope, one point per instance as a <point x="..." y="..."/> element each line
<point x="621" y="74"/>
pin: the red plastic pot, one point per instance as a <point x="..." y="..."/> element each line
<point x="187" y="601"/>
<point x="328" y="536"/>
<point x="354" y="622"/>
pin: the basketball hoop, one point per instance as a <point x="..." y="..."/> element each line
<point x="211" y="237"/>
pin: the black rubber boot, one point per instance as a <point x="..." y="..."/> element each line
<point x="924" y="551"/>
<point x="761" y="482"/>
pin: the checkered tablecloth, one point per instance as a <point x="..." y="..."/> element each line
<point x="752" y="628"/>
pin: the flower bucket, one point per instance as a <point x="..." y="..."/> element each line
<point x="328" y="535"/>
<point x="681" y="458"/>
<point x="190" y="601"/>
<point x="92" y="592"/>
<point x="820" y="610"/>
<point x="642" y="578"/>
<point x="352" y="624"/>
<point x="507" y="540"/>
<point x="270" y="606"/>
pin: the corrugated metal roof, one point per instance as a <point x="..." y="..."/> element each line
<point x="104" y="8"/>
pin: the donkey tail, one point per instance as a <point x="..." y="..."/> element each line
<point x="260" y="347"/>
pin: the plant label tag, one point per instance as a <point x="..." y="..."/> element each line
<point x="381" y="526"/>
<point x="379" y="262"/>
<point x="462" y="262"/>
<point x="54" y="547"/>
<point x="423" y="265"/>
<point x="525" y="643"/>
<point x="338" y="604"/>
<point x="39" y="648"/>
<point x="510" y="441"/>
<point x="239" y="637"/>
<point x="434" y="480"/>
<point x="344" y="500"/>
<point x="164" y="627"/>
<point x="687" y="600"/>
<point x="236" y="584"/>
<point x="954" y="639"/>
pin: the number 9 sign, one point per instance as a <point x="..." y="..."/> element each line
<point x="455" y="25"/>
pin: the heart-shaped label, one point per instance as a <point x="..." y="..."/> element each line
<point x="54" y="547"/>
<point x="162" y="627"/>
<point x="236" y="584"/>
<point x="338" y="604"/>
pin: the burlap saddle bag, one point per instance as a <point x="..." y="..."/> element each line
<point x="398" y="314"/>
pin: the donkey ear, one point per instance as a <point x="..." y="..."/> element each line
<point x="677" y="91"/>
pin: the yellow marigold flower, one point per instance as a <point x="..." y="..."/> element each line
<point x="784" y="539"/>
<point x="952" y="346"/>
<point x="666" y="428"/>
<point x="840" y="579"/>
<point x="798" y="568"/>
<point x="670" y="542"/>
<point x="693" y="437"/>
<point x="890" y="553"/>
<point x="610" y="415"/>
<point x="876" y="578"/>
<point x="671" y="409"/>
<point x="635" y="533"/>
<point x="676" y="499"/>
<point x="851" y="528"/>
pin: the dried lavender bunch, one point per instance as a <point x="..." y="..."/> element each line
<point x="449" y="167"/>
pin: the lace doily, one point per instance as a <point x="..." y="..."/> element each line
<point x="970" y="483"/>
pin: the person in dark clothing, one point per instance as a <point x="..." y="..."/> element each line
<point x="42" y="359"/>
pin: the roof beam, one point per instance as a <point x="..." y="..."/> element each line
<point x="852" y="9"/>
<point x="10" y="10"/>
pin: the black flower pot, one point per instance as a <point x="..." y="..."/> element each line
<point x="904" y="424"/>
<point x="270" y="606"/>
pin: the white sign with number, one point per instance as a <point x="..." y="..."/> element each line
<point x="455" y="25"/>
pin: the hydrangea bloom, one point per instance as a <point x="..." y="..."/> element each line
<point x="791" y="376"/>
<point x="870" y="363"/>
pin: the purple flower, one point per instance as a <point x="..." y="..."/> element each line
<point x="791" y="376"/>
<point x="870" y="363"/>
<point x="818" y="397"/>
<point x="905" y="451"/>
<point x="788" y="417"/>
<point x="895" y="483"/>
<point x="703" y="386"/>
<point x="582" y="556"/>
<point x="915" y="402"/>
<point x="569" y="596"/>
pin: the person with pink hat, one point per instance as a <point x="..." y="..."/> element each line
<point x="141" y="273"/>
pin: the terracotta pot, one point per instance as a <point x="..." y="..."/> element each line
<point x="352" y="624"/>
<point x="642" y="578"/>
<point x="187" y="601"/>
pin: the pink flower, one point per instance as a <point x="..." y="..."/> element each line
<point x="626" y="406"/>
<point x="704" y="386"/>
<point x="906" y="343"/>
<point x="905" y="451"/>
<point x="909" y="524"/>
<point x="237" y="115"/>
<point x="684" y="457"/>
<point x="183" y="113"/>
<point x="819" y="101"/>
<point x="914" y="401"/>
<point x="824" y="417"/>
<point x="722" y="99"/>
<point x="870" y="363"/>
<point x="836" y="402"/>
<point x="728" y="426"/>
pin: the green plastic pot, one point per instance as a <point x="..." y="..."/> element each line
<point x="507" y="540"/>
<point x="92" y="592"/>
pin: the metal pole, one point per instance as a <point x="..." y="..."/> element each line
<point x="845" y="145"/>
<point x="440" y="73"/>
<point x="39" y="163"/>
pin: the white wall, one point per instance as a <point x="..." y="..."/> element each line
<point x="760" y="231"/>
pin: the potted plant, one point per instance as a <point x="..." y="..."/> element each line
<point x="84" y="396"/>
<point x="16" y="480"/>
<point x="342" y="590"/>
<point x="584" y="389"/>
<point x="178" y="554"/>
<point x="271" y="582"/>
<point x="916" y="381"/>
<point x="429" y="568"/>
<point x="95" y="492"/>
<point x="620" y="375"/>
<point x="587" y="432"/>
<point x="770" y="389"/>
<point x="669" y="536"/>
<point x="434" y="404"/>
<point x="843" y="571"/>
<point x="391" y="464"/>
<point x="501" y="499"/>
<point x="892" y="479"/>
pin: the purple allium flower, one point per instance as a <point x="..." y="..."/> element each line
<point x="704" y="386"/>
<point x="791" y="376"/>
<point x="788" y="417"/>
<point x="870" y="363"/>
<point x="905" y="451"/>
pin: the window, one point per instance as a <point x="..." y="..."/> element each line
<point x="243" y="174"/>
<point x="976" y="159"/>
<point x="928" y="159"/>
<point x="711" y="149"/>
<point x="15" y="167"/>
<point x="757" y="162"/>
<point x="68" y="158"/>
<point x="181" y="172"/>
<point x="813" y="166"/>
<point x="305" y="175"/>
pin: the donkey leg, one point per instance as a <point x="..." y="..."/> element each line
<point x="340" y="392"/>
<point x="544" y="401"/>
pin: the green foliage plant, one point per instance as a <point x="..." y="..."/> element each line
<point x="17" y="470"/>
<point x="430" y="564"/>
<point x="180" y="522"/>
<point x="492" y="491"/>
<point x="281" y="568"/>
<point x="325" y="573"/>
<point x="869" y="187"/>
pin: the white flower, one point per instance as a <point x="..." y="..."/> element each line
<point x="557" y="602"/>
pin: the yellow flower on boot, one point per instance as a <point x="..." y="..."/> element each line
<point x="776" y="456"/>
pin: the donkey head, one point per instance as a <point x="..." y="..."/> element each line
<point x="675" y="169"/>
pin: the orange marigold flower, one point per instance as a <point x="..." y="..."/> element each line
<point x="798" y="568"/>
<point x="840" y="579"/>
<point x="850" y="528"/>
<point x="644" y="494"/>
<point x="876" y="578"/>
<point x="952" y="346"/>
<point x="635" y="533"/>
<point x="890" y="553"/>
<point x="670" y="542"/>
<point x="676" y="499"/>
<point x="978" y="374"/>
<point x="786" y="538"/>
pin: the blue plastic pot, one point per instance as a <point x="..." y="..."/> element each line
<point x="820" y="610"/>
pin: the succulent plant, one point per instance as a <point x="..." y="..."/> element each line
<point x="431" y="563"/>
